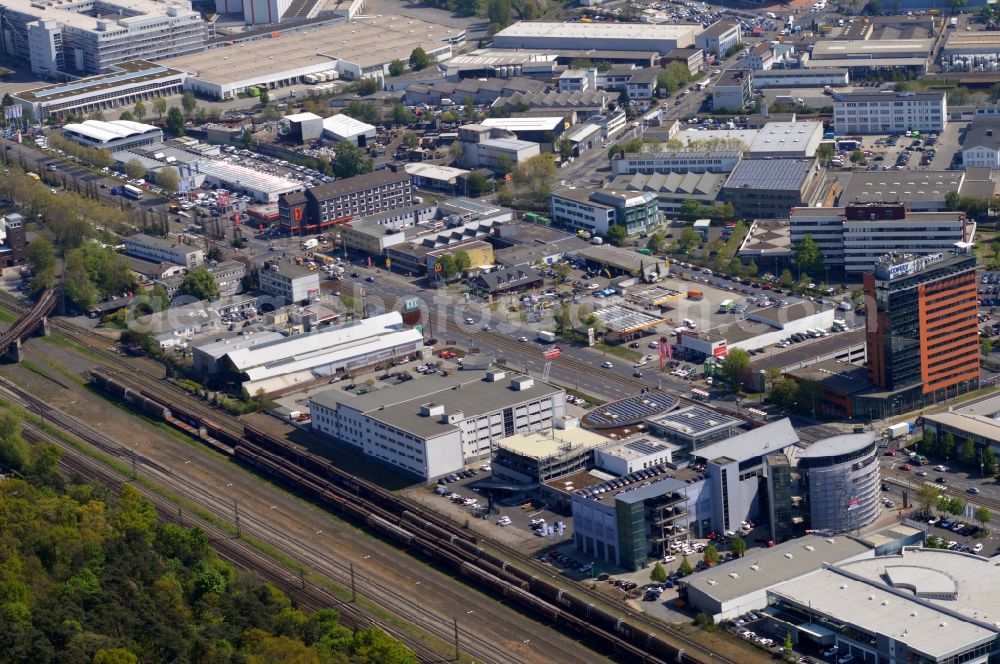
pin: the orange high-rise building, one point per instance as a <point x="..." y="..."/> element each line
<point x="922" y="330"/>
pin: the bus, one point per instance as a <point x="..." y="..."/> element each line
<point x="919" y="460"/>
<point x="128" y="191"/>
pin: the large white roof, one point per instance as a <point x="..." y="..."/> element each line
<point x="598" y="30"/>
<point x="344" y="125"/>
<point x="306" y="345"/>
<point x="100" y="130"/>
<point x="878" y="609"/>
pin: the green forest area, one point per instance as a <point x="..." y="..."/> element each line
<point x="89" y="579"/>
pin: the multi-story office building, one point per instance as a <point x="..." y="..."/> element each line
<point x="797" y="78"/>
<point x="856" y="236"/>
<point x="840" y="482"/>
<point x="288" y="280"/>
<point x="889" y="113"/>
<point x="435" y="425"/>
<point x="760" y="58"/>
<point x="228" y="277"/>
<point x="318" y="207"/>
<point x="733" y="91"/>
<point x="684" y="160"/>
<point x="719" y="37"/>
<point x="92" y="36"/>
<point x="769" y="188"/>
<point x="922" y="330"/>
<point x="597" y="210"/>
<point x="124" y="85"/>
<point x="159" y="250"/>
<point x="981" y="147"/>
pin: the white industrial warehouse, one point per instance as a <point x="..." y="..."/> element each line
<point x="114" y="135"/>
<point x="290" y="362"/>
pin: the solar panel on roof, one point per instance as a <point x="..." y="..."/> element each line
<point x="71" y="87"/>
<point x="644" y="446"/>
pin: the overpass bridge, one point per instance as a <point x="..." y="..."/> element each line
<point x="26" y="323"/>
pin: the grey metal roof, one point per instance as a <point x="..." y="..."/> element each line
<point x="983" y="134"/>
<point x="837" y="445"/>
<point x="889" y="96"/>
<point x="695" y="420"/>
<point x="762" y="569"/>
<point x="652" y="490"/>
<point x="768" y="438"/>
<point x="778" y="174"/>
<point x="466" y="391"/>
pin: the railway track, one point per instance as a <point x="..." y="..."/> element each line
<point x="223" y="427"/>
<point x="245" y="556"/>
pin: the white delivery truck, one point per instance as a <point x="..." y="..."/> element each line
<point x="547" y="337"/>
<point x="901" y="430"/>
<point x="310" y="243"/>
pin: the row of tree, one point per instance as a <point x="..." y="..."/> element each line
<point x="966" y="453"/>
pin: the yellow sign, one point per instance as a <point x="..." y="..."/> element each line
<point x="388" y="262"/>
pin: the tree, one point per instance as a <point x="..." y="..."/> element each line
<point x="738" y="546"/>
<point x="135" y="169"/>
<point x="476" y="182"/>
<point x="200" y="284"/>
<point x="685" y="566"/>
<point x="959" y="96"/>
<point x="139" y="110"/>
<point x="462" y="261"/>
<point x="982" y="516"/>
<point x="419" y="59"/>
<point x="448" y="267"/>
<point x="41" y="255"/>
<point x="711" y="556"/>
<point x="857" y="157"/>
<point x="784" y="392"/>
<point x="401" y="114"/>
<point x="535" y="176"/>
<point x="786" y="278"/>
<point x="689" y="239"/>
<point x="396" y="67"/>
<point x="350" y="161"/>
<point x="985" y="346"/>
<point x="989" y="461"/>
<point x="499" y="13"/>
<point x="617" y="234"/>
<point x="175" y="121"/>
<point x="926" y="497"/>
<point x="364" y="111"/>
<point x="927" y="442"/>
<point x="656" y="243"/>
<point x="114" y="656"/>
<point x="736" y="367"/>
<point x="565" y="147"/>
<point x="126" y="115"/>
<point x="807" y="256"/>
<point x="13" y="449"/>
<point x="188" y="103"/>
<point x="563" y="272"/>
<point x="76" y="280"/>
<point x="659" y="574"/>
<point x="169" y="179"/>
<point x="947" y="446"/>
<point x="373" y="646"/>
<point x="824" y="153"/>
<point x="563" y="319"/>
<point x="160" y="106"/>
<point x="967" y="453"/>
<point x="952" y="200"/>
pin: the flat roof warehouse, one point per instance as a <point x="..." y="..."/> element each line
<point x="363" y="44"/>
